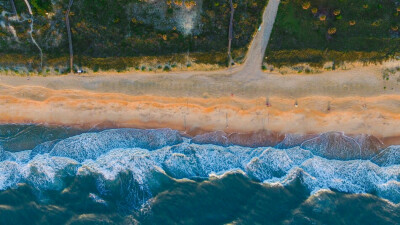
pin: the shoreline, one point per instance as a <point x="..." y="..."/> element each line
<point x="257" y="138"/>
<point x="378" y="116"/>
<point x="351" y="101"/>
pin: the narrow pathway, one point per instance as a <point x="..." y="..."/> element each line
<point x="255" y="54"/>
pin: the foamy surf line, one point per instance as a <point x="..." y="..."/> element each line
<point x="149" y="155"/>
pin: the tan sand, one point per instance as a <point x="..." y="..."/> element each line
<point x="376" y="113"/>
<point x="356" y="99"/>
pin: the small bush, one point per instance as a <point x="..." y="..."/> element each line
<point x="167" y="68"/>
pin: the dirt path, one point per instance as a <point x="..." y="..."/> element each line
<point x="255" y="55"/>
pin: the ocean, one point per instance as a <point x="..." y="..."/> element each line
<point x="61" y="175"/>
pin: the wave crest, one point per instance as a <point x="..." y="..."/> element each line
<point x="139" y="161"/>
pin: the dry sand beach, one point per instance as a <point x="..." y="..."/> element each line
<point x="352" y="101"/>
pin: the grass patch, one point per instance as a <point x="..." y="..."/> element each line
<point x="317" y="58"/>
<point x="317" y="31"/>
<point x="120" y="64"/>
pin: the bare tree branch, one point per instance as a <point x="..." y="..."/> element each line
<point x="71" y="52"/>
<point x="31" y="33"/>
<point x="13" y="7"/>
<point x="230" y="33"/>
<point x="29" y="7"/>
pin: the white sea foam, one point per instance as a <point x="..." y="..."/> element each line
<point x="92" y="145"/>
<point x="116" y="161"/>
<point x="97" y="199"/>
<point x="107" y="155"/>
<point x="45" y="172"/>
<point x="22" y="156"/>
<point x="389" y="156"/>
<point x="9" y="174"/>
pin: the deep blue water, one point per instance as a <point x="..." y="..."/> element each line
<point x="58" y="175"/>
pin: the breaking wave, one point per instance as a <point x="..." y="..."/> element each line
<point x="141" y="161"/>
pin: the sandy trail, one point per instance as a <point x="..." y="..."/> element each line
<point x="255" y="54"/>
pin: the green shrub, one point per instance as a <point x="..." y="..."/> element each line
<point x="300" y="37"/>
<point x="317" y="58"/>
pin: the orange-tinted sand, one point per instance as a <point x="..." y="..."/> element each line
<point x="353" y="101"/>
<point x="379" y="116"/>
